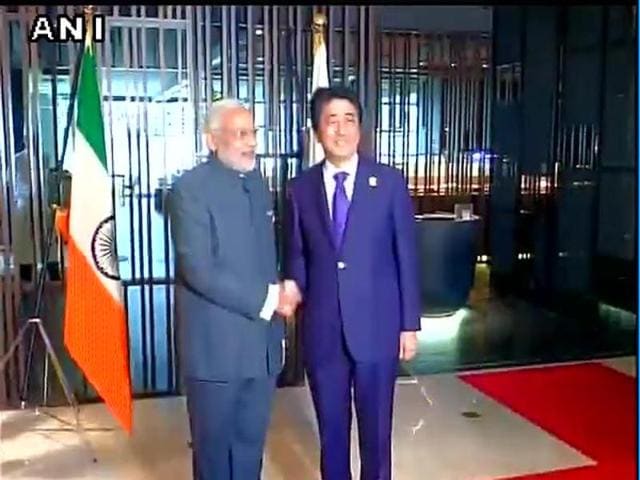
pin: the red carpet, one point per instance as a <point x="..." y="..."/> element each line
<point x="590" y="407"/>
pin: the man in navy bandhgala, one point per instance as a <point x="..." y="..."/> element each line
<point x="227" y="298"/>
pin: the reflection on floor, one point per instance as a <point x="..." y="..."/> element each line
<point x="444" y="430"/>
<point x="495" y="331"/>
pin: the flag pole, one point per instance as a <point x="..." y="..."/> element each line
<point x="89" y="10"/>
<point x="318" y="28"/>
<point x="34" y="322"/>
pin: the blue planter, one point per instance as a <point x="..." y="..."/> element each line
<point x="448" y="252"/>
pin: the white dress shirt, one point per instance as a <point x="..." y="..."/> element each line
<point x="329" y="170"/>
<point x="271" y="302"/>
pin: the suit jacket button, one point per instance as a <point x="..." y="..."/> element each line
<point x="342" y="265"/>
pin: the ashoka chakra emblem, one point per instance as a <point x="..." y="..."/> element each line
<point x="103" y="248"/>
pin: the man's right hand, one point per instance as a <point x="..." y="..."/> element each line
<point x="288" y="299"/>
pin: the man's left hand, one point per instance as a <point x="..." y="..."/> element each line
<point x="408" y="345"/>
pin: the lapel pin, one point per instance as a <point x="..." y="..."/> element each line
<point x="373" y="182"/>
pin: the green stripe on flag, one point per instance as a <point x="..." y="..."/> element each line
<point x="90" y="122"/>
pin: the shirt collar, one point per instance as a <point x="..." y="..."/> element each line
<point x="349" y="167"/>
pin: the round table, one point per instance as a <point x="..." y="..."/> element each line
<point x="447" y="248"/>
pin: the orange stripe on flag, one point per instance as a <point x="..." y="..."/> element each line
<point x="96" y="335"/>
<point x="62" y="223"/>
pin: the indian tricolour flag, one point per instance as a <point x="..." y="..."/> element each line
<point x="95" y="322"/>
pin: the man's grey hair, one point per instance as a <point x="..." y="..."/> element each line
<point x="216" y="110"/>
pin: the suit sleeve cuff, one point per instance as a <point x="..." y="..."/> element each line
<point x="271" y="302"/>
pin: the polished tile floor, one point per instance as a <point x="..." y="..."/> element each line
<point x="434" y="438"/>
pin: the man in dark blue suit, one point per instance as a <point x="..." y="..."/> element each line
<point x="351" y="250"/>
<point x="227" y="290"/>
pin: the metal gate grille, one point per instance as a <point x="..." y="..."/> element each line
<point x="161" y="67"/>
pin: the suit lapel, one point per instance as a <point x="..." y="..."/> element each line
<point x="320" y="194"/>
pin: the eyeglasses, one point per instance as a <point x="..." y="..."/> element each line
<point x="240" y="134"/>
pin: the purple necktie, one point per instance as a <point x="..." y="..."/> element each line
<point x="340" y="208"/>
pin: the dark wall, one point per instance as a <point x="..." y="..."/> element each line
<point x="435" y="18"/>
<point x="564" y="117"/>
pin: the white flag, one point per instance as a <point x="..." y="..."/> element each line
<point x="320" y="79"/>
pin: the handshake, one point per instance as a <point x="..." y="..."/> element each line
<point x="288" y="299"/>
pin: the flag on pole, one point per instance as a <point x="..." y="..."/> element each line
<point x="319" y="79"/>
<point x="95" y="331"/>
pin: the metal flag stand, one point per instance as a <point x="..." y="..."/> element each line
<point x="34" y="322"/>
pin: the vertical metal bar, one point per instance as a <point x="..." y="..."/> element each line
<point x="192" y="78"/>
<point x="373" y="75"/>
<point x="562" y="148"/>
<point x="331" y="28"/>
<point x="450" y="91"/>
<point x="486" y="128"/>
<point x="595" y="148"/>
<point x="275" y="97"/>
<point x="290" y="97"/>
<point x="380" y="98"/>
<point x="44" y="211"/>
<point x="300" y="66"/>
<point x="126" y="56"/>
<point x="144" y="275"/>
<point x="478" y="118"/>
<point x="251" y="58"/>
<point x="8" y="381"/>
<point x="462" y="133"/>
<point x="475" y="144"/>
<point x="414" y="50"/>
<point x="161" y="111"/>
<point x="267" y="94"/>
<point x="277" y="137"/>
<point x="459" y="130"/>
<point x="234" y="51"/>
<point x="208" y="81"/>
<point x="470" y="144"/>
<point x="148" y="201"/>
<point x="455" y="134"/>
<point x="392" y="99"/>
<point x="24" y="21"/>
<point x="198" y="66"/>
<point x="406" y="107"/>
<point x="429" y="105"/>
<point x="462" y="110"/>
<point x="471" y="137"/>
<point x="5" y="318"/>
<point x="436" y="154"/>
<point x="275" y="79"/>
<point x="487" y="86"/>
<point x="362" y="71"/>
<point x="109" y="56"/>
<point x="583" y="145"/>
<point x="573" y="152"/>
<point x="226" y="81"/>
<point x="483" y="129"/>
<point x="474" y="107"/>
<point x="444" y="159"/>
<point x="488" y="99"/>
<point x="345" y="45"/>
